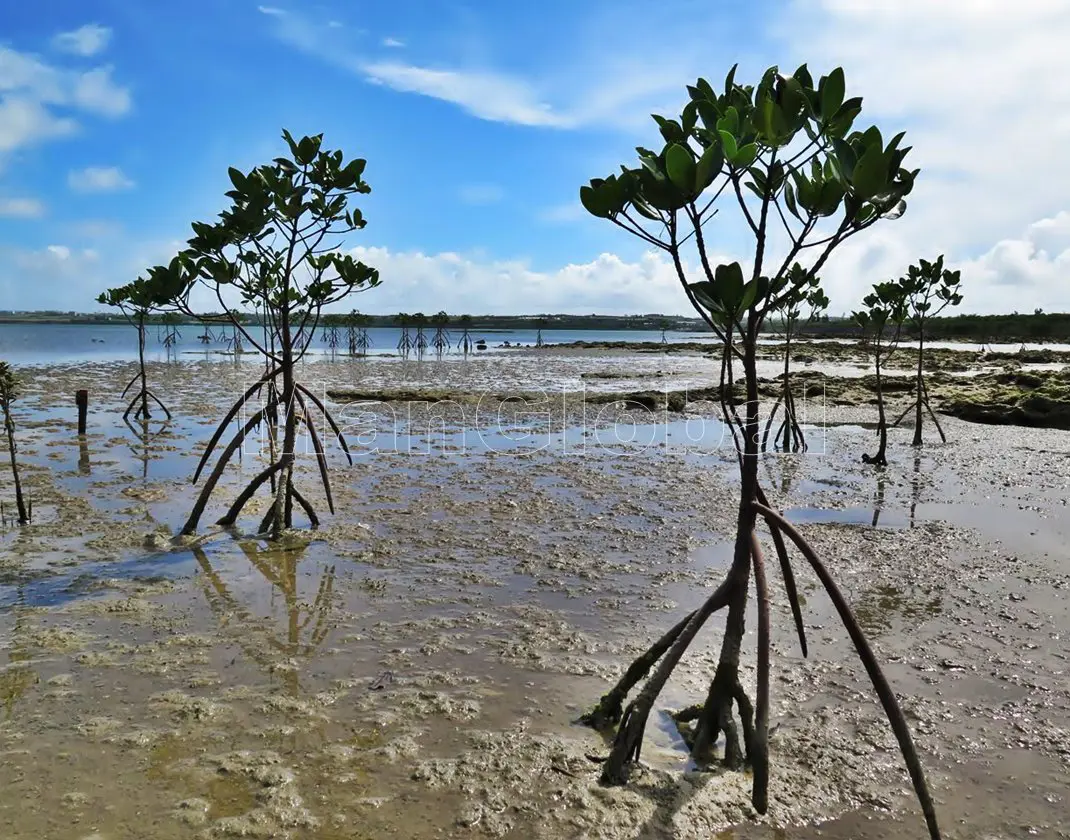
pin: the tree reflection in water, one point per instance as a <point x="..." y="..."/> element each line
<point x="306" y="625"/>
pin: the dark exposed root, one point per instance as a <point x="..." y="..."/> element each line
<point x="758" y="749"/>
<point x="628" y="743"/>
<point x="321" y="456"/>
<point x="788" y="575"/>
<point x="265" y="523"/>
<point x="160" y="404"/>
<point x="228" y="453"/>
<point x="769" y="423"/>
<point x="235" y="509"/>
<point x="222" y="427"/>
<point x="865" y="653"/>
<point x="130" y="384"/>
<point x="610" y="708"/>
<point x="305" y="506"/>
<point x="330" y="419"/>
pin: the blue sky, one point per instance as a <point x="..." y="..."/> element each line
<point x="480" y="121"/>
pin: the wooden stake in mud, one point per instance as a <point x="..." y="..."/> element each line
<point x="81" y="397"/>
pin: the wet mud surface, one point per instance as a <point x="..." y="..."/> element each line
<point x="412" y="669"/>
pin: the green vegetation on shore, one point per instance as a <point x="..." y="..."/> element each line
<point x="1032" y="327"/>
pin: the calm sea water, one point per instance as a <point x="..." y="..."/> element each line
<point x="29" y="344"/>
<point x="42" y="344"/>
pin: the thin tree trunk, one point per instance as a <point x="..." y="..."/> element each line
<point x="789" y="407"/>
<point x="881" y="459"/>
<point x="141" y="362"/>
<point x="920" y="384"/>
<point x="9" y="426"/>
<point x="717" y="711"/>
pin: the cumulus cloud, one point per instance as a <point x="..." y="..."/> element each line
<point x="36" y="99"/>
<point x="21" y="208"/>
<point x="86" y="40"/>
<point x="456" y="283"/>
<point x="62" y="276"/>
<point x="393" y="42"/>
<point x="981" y="95"/>
<point x="99" y="179"/>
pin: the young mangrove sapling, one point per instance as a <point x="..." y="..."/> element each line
<point x="136" y="300"/>
<point x="804" y="295"/>
<point x="790" y="145"/>
<point x="276" y="247"/>
<point x="9" y="392"/>
<point x="881" y="322"/>
<point x="929" y="289"/>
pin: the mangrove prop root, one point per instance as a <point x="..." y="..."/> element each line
<point x="746" y="714"/>
<point x="610" y="707"/>
<point x="305" y="506"/>
<point x="246" y="494"/>
<point x="909" y="408"/>
<point x="769" y="423"/>
<point x="213" y="479"/>
<point x="160" y="404"/>
<point x="628" y="743"/>
<point x="787" y="573"/>
<point x="130" y="384"/>
<point x="222" y="427"/>
<point x="758" y="750"/>
<point x="865" y="653"/>
<point x="330" y="419"/>
<point x="321" y="456"/>
<point x="265" y="523"/>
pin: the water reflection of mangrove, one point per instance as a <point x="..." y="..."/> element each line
<point x="16" y="676"/>
<point x="306" y="625"/>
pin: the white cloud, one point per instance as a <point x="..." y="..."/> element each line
<point x="981" y="94"/>
<point x="270" y="10"/>
<point x="69" y="278"/>
<point x="393" y="42"/>
<point x="96" y="92"/>
<point x="85" y="41"/>
<point x="456" y="283"/>
<point x="25" y="121"/>
<point x="99" y="179"/>
<point x="21" y="208"/>
<point x="481" y="194"/>
<point x="31" y="92"/>
<point x="607" y="84"/>
<point x="488" y="95"/>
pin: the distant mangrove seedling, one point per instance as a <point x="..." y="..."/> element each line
<point x="782" y="150"/>
<point x="9" y="392"/>
<point x="405" y="343"/>
<point x="277" y="249"/>
<point x="804" y="294"/>
<point x="136" y="300"/>
<point x="441" y="339"/>
<point x="928" y="290"/>
<point x="881" y="322"/>
<point x="419" y="320"/>
<point x="466" y="343"/>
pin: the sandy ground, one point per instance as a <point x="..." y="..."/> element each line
<point x="413" y="668"/>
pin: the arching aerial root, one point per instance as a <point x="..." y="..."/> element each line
<point x="715" y="715"/>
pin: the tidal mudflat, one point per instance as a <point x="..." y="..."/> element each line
<point x="413" y="668"/>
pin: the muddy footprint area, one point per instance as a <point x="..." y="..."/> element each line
<point x="414" y="667"/>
